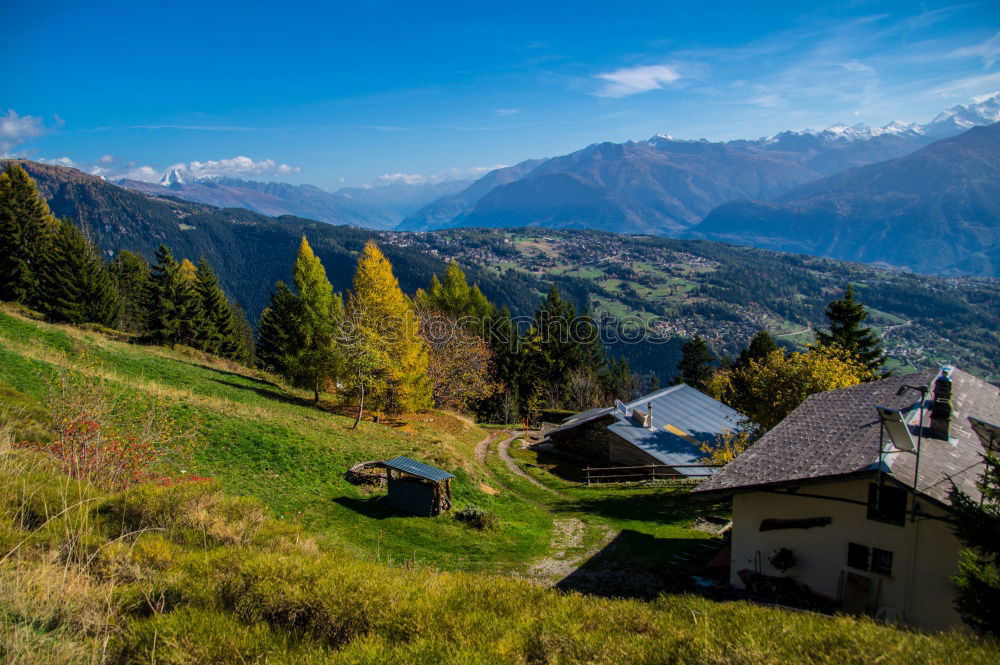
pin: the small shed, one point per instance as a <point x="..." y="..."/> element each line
<point x="417" y="488"/>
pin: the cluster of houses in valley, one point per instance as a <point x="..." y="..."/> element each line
<point x="846" y="500"/>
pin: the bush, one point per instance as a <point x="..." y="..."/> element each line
<point x="478" y="518"/>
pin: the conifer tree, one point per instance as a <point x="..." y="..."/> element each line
<point x="74" y="285"/>
<point x="321" y="314"/>
<point x="695" y="366"/>
<point x="760" y="346"/>
<point x="130" y="277"/>
<point x="173" y="309"/>
<point x="217" y="332"/>
<point x="380" y="309"/>
<point x="977" y="524"/>
<point x="848" y="332"/>
<point x="26" y="226"/>
<point x="279" y="334"/>
<point x="454" y="297"/>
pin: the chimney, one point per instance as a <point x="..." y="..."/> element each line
<point x="649" y="408"/>
<point x="941" y="406"/>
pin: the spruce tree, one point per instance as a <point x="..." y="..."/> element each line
<point x="380" y="309"/>
<point x="26" y="226"/>
<point x="695" y="366"/>
<point x="173" y="309"/>
<point x="321" y="313"/>
<point x="74" y="285"/>
<point x="848" y="332"/>
<point x="130" y="277"/>
<point x="218" y="324"/>
<point x="760" y="345"/>
<point x="977" y="524"/>
<point x="279" y="334"/>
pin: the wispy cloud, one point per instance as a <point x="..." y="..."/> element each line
<point x="506" y="112"/>
<point x="988" y="50"/>
<point x="633" y="80"/>
<point x="16" y="129"/>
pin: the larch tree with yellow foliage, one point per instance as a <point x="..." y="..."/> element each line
<point x="318" y="361"/>
<point x="381" y="315"/>
<point x="769" y="388"/>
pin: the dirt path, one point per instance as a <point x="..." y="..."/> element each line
<point x="564" y="557"/>
<point x="483" y="447"/>
<point x="504" y="451"/>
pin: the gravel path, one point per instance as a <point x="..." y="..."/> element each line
<point x="504" y="451"/>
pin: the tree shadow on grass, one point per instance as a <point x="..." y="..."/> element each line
<point x="269" y="393"/>
<point x="642" y="566"/>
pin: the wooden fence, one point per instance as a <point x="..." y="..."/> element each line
<point x="634" y="474"/>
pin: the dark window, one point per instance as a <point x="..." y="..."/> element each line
<point x="881" y="561"/>
<point x="886" y="504"/>
<point x="857" y="556"/>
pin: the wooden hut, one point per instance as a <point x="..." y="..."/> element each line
<point x="417" y="488"/>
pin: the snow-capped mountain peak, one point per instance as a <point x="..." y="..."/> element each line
<point x="984" y="110"/>
<point x="172" y="177"/>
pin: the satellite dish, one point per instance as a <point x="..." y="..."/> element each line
<point x="988" y="433"/>
<point x="895" y="426"/>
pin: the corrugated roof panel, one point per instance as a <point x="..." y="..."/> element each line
<point x="413" y="467"/>
<point x="680" y="408"/>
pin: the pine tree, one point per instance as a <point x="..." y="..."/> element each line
<point x="321" y="314"/>
<point x="26" y="226"/>
<point x="695" y="366"/>
<point x="130" y="277"/>
<point x="173" y="309"/>
<point x="279" y="334"/>
<point x="846" y="330"/>
<point x="380" y="309"/>
<point x="74" y="285"/>
<point x="977" y="524"/>
<point x="760" y="346"/>
<point x="218" y="330"/>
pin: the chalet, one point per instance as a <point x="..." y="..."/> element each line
<point x="849" y="495"/>
<point x="666" y="427"/>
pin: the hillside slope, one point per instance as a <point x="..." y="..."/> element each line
<point x="279" y="560"/>
<point x="937" y="210"/>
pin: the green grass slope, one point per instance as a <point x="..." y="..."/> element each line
<point x="261" y="439"/>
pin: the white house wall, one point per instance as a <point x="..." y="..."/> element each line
<point x="919" y="587"/>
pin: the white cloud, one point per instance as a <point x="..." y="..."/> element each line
<point x="988" y="50"/>
<point x="236" y="166"/>
<point x="506" y="112"/>
<point x="106" y="159"/>
<point x="632" y="80"/>
<point x="60" y="161"/>
<point x="471" y="173"/>
<point x="16" y="129"/>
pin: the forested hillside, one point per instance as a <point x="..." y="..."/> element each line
<point x="722" y="292"/>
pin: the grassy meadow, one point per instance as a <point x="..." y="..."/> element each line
<point x="278" y="559"/>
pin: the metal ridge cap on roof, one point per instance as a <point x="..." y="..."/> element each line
<point x="413" y="467"/>
<point x="639" y="401"/>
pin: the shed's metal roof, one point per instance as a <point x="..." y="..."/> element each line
<point x="415" y="468"/>
<point x="683" y="418"/>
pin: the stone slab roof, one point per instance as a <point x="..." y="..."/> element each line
<point x="836" y="433"/>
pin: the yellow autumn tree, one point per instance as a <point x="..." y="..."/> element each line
<point x="769" y="388"/>
<point x="378" y="309"/>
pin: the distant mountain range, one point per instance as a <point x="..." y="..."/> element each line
<point x="935" y="210"/>
<point x="377" y="207"/>
<point x="664" y="186"/>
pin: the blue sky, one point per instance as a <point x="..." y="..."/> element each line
<point x="350" y="93"/>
